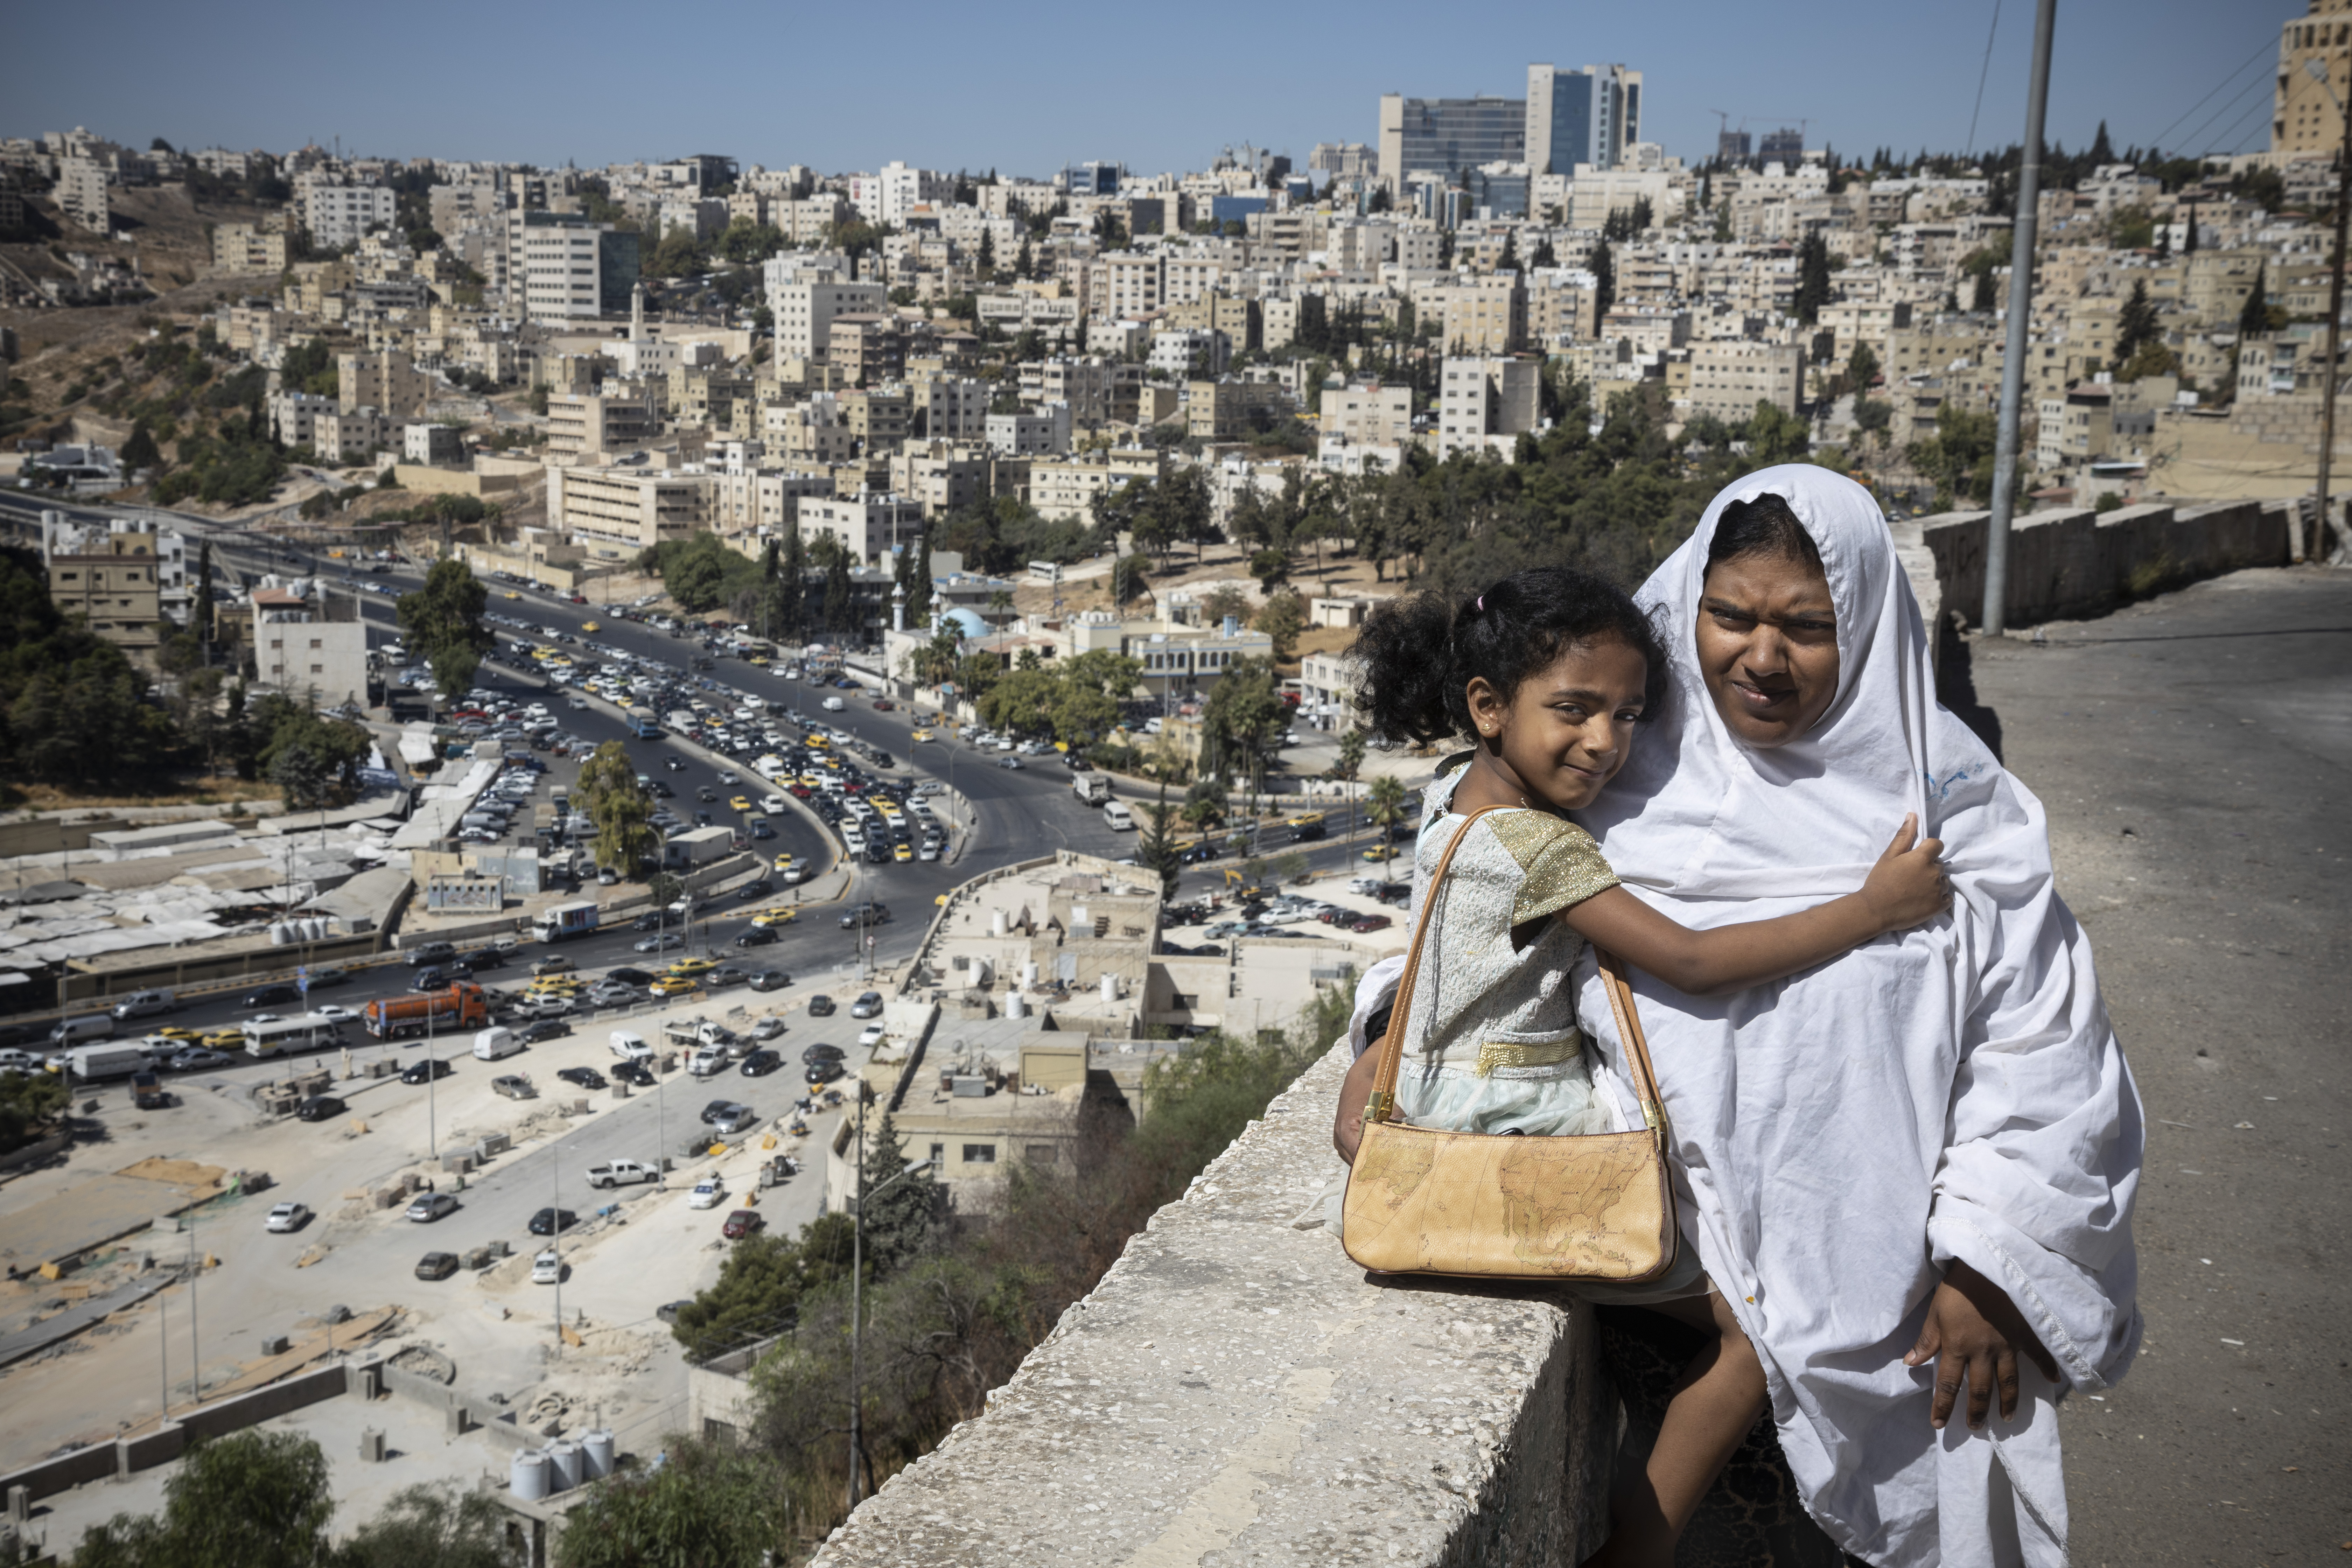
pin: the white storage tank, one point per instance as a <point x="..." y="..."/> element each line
<point x="1016" y="1006"/>
<point x="996" y="922"/>
<point x="526" y="1475"/>
<point x="1110" y="987"/>
<point x="1028" y="974"/>
<point x="596" y="1449"/>
<point x="565" y="1459"/>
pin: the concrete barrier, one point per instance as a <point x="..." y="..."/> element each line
<point x="2071" y="562"/>
<point x="235" y="1414"/>
<point x="62" y="1473"/>
<point x="1235" y="1389"/>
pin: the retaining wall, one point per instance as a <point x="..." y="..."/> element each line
<point x="2074" y="562"/>
<point x="1236" y="1390"/>
<point x="167" y="1441"/>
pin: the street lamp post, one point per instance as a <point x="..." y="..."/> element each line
<point x="2318" y="72"/>
<point x="555" y="1233"/>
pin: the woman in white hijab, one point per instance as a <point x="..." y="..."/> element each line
<point x="1915" y="1162"/>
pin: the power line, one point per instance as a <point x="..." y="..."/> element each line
<point x="1969" y="148"/>
<point x="2197" y="136"/>
<point x="2224" y="140"/>
<point x="2259" y="50"/>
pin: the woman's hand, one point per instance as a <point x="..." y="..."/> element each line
<point x="1354" y="1093"/>
<point x="1976" y="1331"/>
<point x="1908" y="885"/>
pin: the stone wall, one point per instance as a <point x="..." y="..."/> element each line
<point x="1236" y="1389"/>
<point x="2073" y="561"/>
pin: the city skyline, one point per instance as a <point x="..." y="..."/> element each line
<point x="1145" y="97"/>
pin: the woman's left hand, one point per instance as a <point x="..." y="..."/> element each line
<point x="1976" y="1331"/>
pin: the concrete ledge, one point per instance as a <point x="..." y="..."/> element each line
<point x="2072" y="562"/>
<point x="1236" y="1390"/>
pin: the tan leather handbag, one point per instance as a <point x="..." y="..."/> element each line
<point x="1422" y="1200"/>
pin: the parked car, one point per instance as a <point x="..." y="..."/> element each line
<point x="635" y="1073"/>
<point x="289" y="1216"/>
<point x="767" y="1028"/>
<point x="742" y="1223"/>
<point x="821" y="1007"/>
<point x="427" y="1070"/>
<point x="546" y="1221"/>
<point x="437" y="1265"/>
<point x="430" y="1207"/>
<point x="319" y="1108"/>
<point x="544" y="1029"/>
<point x="547" y="1269"/>
<point x="867" y="1006"/>
<point x="1368" y="923"/>
<point x="514" y="1085"/>
<point x="581" y="1078"/>
<point x="823" y="1072"/>
<point x="770" y="980"/>
<point x="668" y="1310"/>
<point x="707" y="1194"/>
<point x="870" y="1036"/>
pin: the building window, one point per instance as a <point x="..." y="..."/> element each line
<point x="979" y="1154"/>
<point x="1043" y="1153"/>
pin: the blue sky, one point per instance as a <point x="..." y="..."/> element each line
<point x="1024" y="88"/>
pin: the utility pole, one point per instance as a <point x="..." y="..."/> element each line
<point x="2021" y="308"/>
<point x="2319" y="69"/>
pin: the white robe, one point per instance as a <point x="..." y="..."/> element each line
<point x="1953" y="1092"/>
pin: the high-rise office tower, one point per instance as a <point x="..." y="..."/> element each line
<point x="1447" y="135"/>
<point x="1586" y="116"/>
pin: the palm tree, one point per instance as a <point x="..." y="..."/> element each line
<point x="1351" y="764"/>
<point x="1386" y="798"/>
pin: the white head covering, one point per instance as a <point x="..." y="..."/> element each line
<point x="1952" y="1092"/>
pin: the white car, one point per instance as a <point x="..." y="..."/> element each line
<point x="708" y="1195"/>
<point x="289" y="1216"/>
<point x="870" y="1035"/>
<point x="547" y="1269"/>
<point x="835" y="705"/>
<point x="336" y="1011"/>
<point x="708" y="1061"/>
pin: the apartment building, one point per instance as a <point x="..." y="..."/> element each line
<point x="1178" y="660"/>
<point x="1228" y="410"/>
<point x="614" y="513"/>
<point x="814" y="433"/>
<point x="941" y="475"/>
<point x="384" y="379"/>
<point x="879" y="418"/>
<point x="1063" y="489"/>
<point x="310" y="649"/>
<point x="1187" y="352"/>
<point x="1486" y="405"/>
<point x="248" y="248"/>
<point x="80" y="192"/>
<point x="1036" y="432"/>
<point x="870" y="526"/>
<point x="337" y="216"/>
<point x="582" y="426"/>
<point x="1126" y="283"/>
<point x="341" y="434"/>
<point x="804" y="303"/>
<point x="1729" y="379"/>
<point x="1098" y="391"/>
<point x="866" y="347"/>
<point x="2075" y="427"/>
<point x="113" y="582"/>
<point x="1368" y="413"/>
<point x="1587" y="116"/>
<point x="432" y="446"/>
<point x="955" y="409"/>
<point x="563" y="266"/>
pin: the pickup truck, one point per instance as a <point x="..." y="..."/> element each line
<point x="621" y="1173"/>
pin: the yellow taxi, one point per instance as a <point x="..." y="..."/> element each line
<point x="784" y="861"/>
<point x="687" y="968"/>
<point x="757" y="661"/>
<point x="920" y="735"/>
<point x="902" y="852"/>
<point x="670" y="986"/>
<point x="542" y="654"/>
<point x="176" y="1032"/>
<point x="510" y="594"/>
<point x="592" y="626"/>
<point x="779" y="916"/>
<point x="818" y="742"/>
<point x="739" y="803"/>
<point x="223" y="1040"/>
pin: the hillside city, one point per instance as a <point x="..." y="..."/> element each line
<point x="491" y="641"/>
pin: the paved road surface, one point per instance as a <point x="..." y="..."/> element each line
<point x="2194" y="754"/>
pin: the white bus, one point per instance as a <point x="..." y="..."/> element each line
<point x="310" y="1032"/>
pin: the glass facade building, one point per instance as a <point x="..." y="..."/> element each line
<point x="1450" y="135"/>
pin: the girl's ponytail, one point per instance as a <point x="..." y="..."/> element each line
<point x="1419" y="652"/>
<point x="1404" y="652"/>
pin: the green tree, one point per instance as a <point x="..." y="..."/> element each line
<point x="792" y="589"/>
<point x="432" y="1527"/>
<point x="1348" y="768"/>
<point x="1386" y="807"/>
<point x="710" y="1504"/>
<point x="1156" y="849"/>
<point x="1128" y="580"/>
<point x="28" y="1104"/>
<point x="840" y="603"/>
<point x="902" y="1222"/>
<point x="918" y="589"/>
<point x="1980" y="298"/>
<point x="1270" y="566"/>
<point x="2254" y="316"/>
<point x="1774" y="436"/>
<point x="443" y="621"/>
<point x="607" y="791"/>
<point x="1245" y="708"/>
<point x="1205" y="805"/>
<point x="1282" y="617"/>
<point x="203" y="610"/>
<point x="2136" y="324"/>
<point x="1604" y="268"/>
<point x="1812" y="277"/>
<point x="254" y="1499"/>
<point x="1861" y="369"/>
<point x="140" y="451"/>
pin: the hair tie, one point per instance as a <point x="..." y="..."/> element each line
<point x="1481" y="604"/>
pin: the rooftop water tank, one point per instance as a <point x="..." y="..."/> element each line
<point x="596" y="1449"/>
<point x="526" y="1475"/>
<point x="564" y="1458"/>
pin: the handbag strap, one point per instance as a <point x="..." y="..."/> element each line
<point x="1381" y="1106"/>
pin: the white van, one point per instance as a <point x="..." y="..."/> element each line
<point x="144" y="1004"/>
<point x="492" y="1045"/>
<point x="77" y="1031"/>
<point x="631" y="1048"/>
<point x="1119" y="817"/>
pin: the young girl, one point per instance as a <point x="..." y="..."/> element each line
<point x="1549" y="671"/>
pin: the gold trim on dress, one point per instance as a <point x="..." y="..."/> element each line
<point x="1493" y="1054"/>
